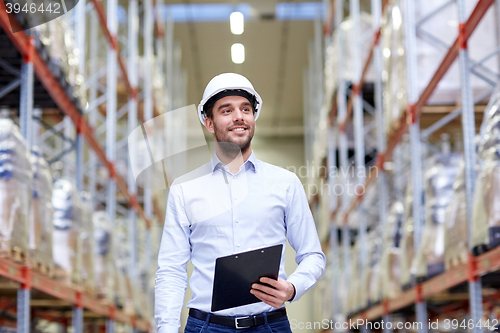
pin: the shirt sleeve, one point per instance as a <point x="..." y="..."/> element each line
<point x="303" y="238"/>
<point x="171" y="276"/>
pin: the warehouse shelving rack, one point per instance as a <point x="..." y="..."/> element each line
<point x="34" y="64"/>
<point x="338" y="117"/>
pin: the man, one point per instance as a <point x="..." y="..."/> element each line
<point x="232" y="204"/>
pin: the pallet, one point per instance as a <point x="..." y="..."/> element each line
<point x="89" y="290"/>
<point x="15" y="254"/>
<point x="433" y="270"/>
<point x="65" y="277"/>
<point x="458" y="258"/>
<point x="43" y="268"/>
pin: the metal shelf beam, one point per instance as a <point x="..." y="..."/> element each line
<point x="484" y="264"/>
<point x="74" y="295"/>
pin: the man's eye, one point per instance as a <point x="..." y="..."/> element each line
<point x="226" y="111"/>
<point x="246" y="110"/>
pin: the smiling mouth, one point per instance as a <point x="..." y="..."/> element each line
<point x="238" y="130"/>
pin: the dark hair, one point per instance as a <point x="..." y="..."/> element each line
<point x="209" y="105"/>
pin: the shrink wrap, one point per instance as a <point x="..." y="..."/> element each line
<point x="16" y="178"/>
<point x="40" y="218"/>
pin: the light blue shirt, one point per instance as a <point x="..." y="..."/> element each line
<point x="212" y="213"/>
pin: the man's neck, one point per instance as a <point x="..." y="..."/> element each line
<point x="233" y="163"/>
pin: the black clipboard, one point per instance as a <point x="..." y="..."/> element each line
<point x="235" y="274"/>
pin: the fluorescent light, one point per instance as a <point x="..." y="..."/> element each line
<point x="236" y="21"/>
<point x="238" y="53"/>
<point x="396" y="18"/>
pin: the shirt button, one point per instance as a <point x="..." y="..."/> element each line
<point x="235" y="198"/>
<point x="237" y="221"/>
<point x="234" y="177"/>
<point x="238" y="245"/>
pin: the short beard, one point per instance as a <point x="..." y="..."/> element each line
<point x="230" y="149"/>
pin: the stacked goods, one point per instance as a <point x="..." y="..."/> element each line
<point x="346" y="34"/>
<point x="435" y="29"/>
<point x="67" y="222"/>
<point x="455" y="235"/>
<point x="371" y="205"/>
<point x="57" y="46"/>
<point x="87" y="239"/>
<point x="373" y="279"/>
<point x="104" y="268"/>
<point x="16" y="178"/>
<point x="390" y="267"/>
<point x="486" y="209"/>
<point x="122" y="261"/>
<point x="407" y="249"/>
<point x="138" y="290"/>
<point x="40" y="219"/>
<point x="352" y="294"/>
<point x="323" y="226"/>
<point x="394" y="66"/>
<point x="374" y="247"/>
<point x="439" y="179"/>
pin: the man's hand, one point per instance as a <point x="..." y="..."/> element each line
<point x="275" y="297"/>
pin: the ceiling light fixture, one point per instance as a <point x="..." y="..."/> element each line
<point x="236" y="21"/>
<point x="238" y="53"/>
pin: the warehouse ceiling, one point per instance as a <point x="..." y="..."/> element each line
<point x="266" y="66"/>
<point x="276" y="56"/>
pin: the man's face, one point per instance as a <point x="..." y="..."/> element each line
<point x="233" y="121"/>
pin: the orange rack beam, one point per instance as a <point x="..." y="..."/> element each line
<point x="72" y="294"/>
<point x="485" y="263"/>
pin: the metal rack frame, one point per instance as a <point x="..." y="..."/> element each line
<point x="34" y="64"/>
<point x="409" y="122"/>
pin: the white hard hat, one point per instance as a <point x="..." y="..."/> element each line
<point x="228" y="82"/>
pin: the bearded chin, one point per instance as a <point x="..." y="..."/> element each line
<point x="230" y="149"/>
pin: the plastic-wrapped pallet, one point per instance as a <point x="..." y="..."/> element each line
<point x="455" y="235"/>
<point x="122" y="260"/>
<point x="88" y="247"/>
<point x="67" y="221"/>
<point x="390" y="267"/>
<point x="354" y="280"/>
<point x="439" y="179"/>
<point x="16" y="178"/>
<point x="347" y="34"/>
<point x="407" y="251"/>
<point x="374" y="283"/>
<point x="394" y="66"/>
<point x="434" y="28"/>
<point x="374" y="252"/>
<point x="371" y="206"/>
<point x="104" y="268"/>
<point x="139" y="288"/>
<point x="323" y="220"/>
<point x="486" y="210"/>
<point x="59" y="42"/>
<point x="41" y="227"/>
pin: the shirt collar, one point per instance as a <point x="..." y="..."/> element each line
<point x="252" y="160"/>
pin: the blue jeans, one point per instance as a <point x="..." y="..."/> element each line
<point x="194" y="325"/>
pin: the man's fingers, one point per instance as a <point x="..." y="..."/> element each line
<point x="265" y="298"/>
<point x="269" y="281"/>
<point x="265" y="289"/>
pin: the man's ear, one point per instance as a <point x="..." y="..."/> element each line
<point x="209" y="124"/>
